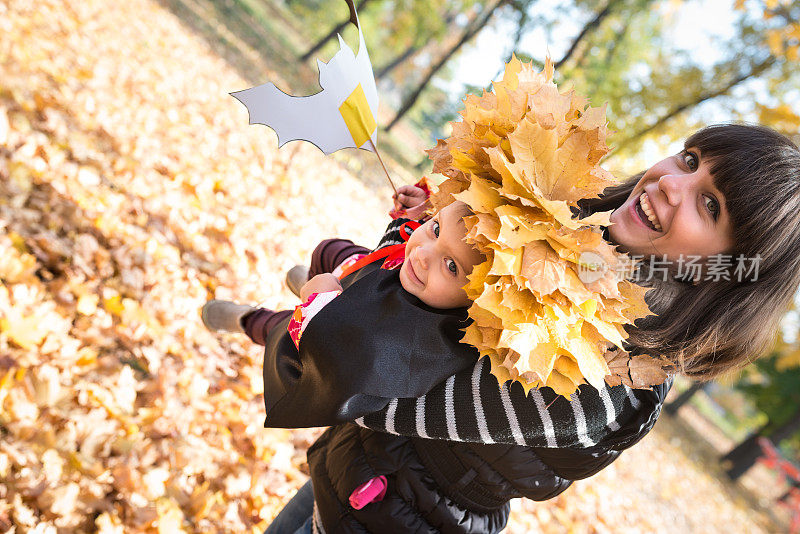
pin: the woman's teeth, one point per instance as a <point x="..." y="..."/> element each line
<point x="644" y="202"/>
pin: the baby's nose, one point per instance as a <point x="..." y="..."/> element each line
<point x="423" y="254"/>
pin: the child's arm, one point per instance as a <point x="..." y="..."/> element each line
<point x="322" y="283"/>
<point x="315" y="294"/>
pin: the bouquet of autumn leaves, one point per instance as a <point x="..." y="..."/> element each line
<point x="521" y="158"/>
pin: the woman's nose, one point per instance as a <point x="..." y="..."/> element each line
<point x="672" y="185"/>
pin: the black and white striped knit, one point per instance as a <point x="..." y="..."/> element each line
<point x="391" y="236"/>
<point x="455" y="409"/>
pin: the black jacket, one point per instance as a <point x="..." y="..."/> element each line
<point x="441" y="486"/>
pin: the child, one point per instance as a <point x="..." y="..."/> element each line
<point x="412" y="284"/>
<point x="389" y="332"/>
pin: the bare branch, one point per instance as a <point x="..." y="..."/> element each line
<point x="757" y="69"/>
<point x="588" y="27"/>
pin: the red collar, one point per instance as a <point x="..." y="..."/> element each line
<point x="394" y="254"/>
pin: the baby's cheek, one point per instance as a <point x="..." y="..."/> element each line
<point x="403" y="275"/>
<point x="458" y="297"/>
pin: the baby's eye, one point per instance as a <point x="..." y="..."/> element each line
<point x="451" y="266"/>
<point x="436" y="228"/>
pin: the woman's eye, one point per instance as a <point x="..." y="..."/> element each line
<point x="451" y="266"/>
<point x="691" y="160"/>
<point x="436" y="228"/>
<point x="713" y="207"/>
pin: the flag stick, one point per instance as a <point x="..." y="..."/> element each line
<point x="382" y="164"/>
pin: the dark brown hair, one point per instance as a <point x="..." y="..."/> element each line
<point x="714" y="326"/>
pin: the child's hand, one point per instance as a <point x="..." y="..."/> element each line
<point x="320" y="284"/>
<point x="409" y="196"/>
<point x="412" y="200"/>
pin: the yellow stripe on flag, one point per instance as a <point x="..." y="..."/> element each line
<point x="358" y="117"/>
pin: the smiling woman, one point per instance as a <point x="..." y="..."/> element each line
<point x="733" y="190"/>
<point x="412" y="408"/>
<point x="674" y="209"/>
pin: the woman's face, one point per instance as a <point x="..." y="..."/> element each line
<point x="674" y="210"/>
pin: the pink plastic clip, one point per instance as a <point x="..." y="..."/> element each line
<point x="371" y="491"/>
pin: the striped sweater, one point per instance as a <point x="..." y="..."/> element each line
<point x="456" y="408"/>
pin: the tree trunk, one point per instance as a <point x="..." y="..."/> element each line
<point x="338" y="29"/>
<point x="393" y="64"/>
<point x="471" y="30"/>
<point x="743" y="456"/>
<point x="411" y="50"/>
<point x="673" y="407"/>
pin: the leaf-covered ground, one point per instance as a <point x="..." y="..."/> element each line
<point x="132" y="190"/>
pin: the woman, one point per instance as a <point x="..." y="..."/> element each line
<point x="454" y="457"/>
<point x="748" y="180"/>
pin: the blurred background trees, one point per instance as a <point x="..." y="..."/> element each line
<point x="634" y="55"/>
<point x="663" y="67"/>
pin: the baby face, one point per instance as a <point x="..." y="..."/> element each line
<point x="438" y="259"/>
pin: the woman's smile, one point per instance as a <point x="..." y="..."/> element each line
<point x="646" y="212"/>
<point x="641" y="211"/>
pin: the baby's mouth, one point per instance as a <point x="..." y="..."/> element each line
<point x="412" y="272"/>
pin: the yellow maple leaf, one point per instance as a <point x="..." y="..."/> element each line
<point x="16" y="265"/>
<point x="113" y="304"/>
<point x="87" y="304"/>
<point x="541" y="269"/>
<point x="482" y="228"/>
<point x="515" y="226"/>
<point x="482" y="196"/>
<point x="170" y="516"/>
<point x="25" y="331"/>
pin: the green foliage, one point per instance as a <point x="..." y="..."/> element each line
<point x="617" y="66"/>
<point x="396" y="26"/>
<point x="415" y="22"/>
<point x="773" y="390"/>
<point x="654" y="93"/>
<point x="318" y="16"/>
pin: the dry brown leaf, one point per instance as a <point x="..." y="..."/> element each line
<point x="640" y="371"/>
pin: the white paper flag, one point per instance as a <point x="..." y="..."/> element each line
<point x="342" y="115"/>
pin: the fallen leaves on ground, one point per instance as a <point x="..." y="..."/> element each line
<point x="131" y="191"/>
